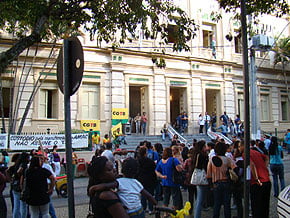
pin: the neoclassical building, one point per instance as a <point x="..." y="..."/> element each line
<point x="206" y="79"/>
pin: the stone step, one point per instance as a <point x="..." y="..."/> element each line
<point x="134" y="140"/>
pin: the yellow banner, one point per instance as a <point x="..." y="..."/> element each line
<point x="90" y="125"/>
<point x="117" y="129"/>
<point x="120" y="113"/>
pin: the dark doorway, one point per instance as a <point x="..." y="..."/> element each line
<point x="174" y="105"/>
<point x="135" y="103"/>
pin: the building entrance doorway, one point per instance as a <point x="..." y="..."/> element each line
<point x="178" y="103"/>
<point x="213" y="102"/>
<point x="138" y="96"/>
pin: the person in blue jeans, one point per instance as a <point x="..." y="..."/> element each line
<point x="276" y="165"/>
<point x="287" y="140"/>
<point x="144" y="121"/>
<point x="217" y="173"/>
<point x="164" y="170"/>
<point x="200" y="161"/>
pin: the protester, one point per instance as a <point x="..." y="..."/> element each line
<point x="158" y="190"/>
<point x="224" y="118"/>
<point x="175" y="140"/>
<point x="96" y="141"/>
<point x="206" y="119"/>
<point x="184" y="122"/>
<point x="104" y="203"/>
<point x="163" y="132"/>
<point x="108" y="153"/>
<point x="213" y="121"/>
<point x="189" y="167"/>
<point x="224" y="129"/>
<point x="144" y="121"/>
<point x="3" y="206"/>
<point x="47" y="166"/>
<point x="260" y="187"/>
<point x="153" y="155"/>
<point x="39" y="191"/>
<point x="217" y="172"/>
<point x="146" y="176"/>
<point x="237" y="122"/>
<point x="15" y="173"/>
<point x="5" y="159"/>
<point x="287" y="140"/>
<point x="137" y="120"/>
<point x="200" y="161"/>
<point x="267" y="141"/>
<point x="106" y="139"/>
<point x="237" y="188"/>
<point x="200" y="123"/>
<point x="9" y="173"/>
<point x="74" y="162"/>
<point x="276" y="165"/>
<point x="164" y="170"/>
<point x="178" y="123"/>
<point x="176" y="153"/>
<point x="56" y="160"/>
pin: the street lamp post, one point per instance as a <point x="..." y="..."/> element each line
<point x="259" y="43"/>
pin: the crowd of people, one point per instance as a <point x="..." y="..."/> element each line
<point x="150" y="176"/>
<point x="228" y="125"/>
<point x="32" y="179"/>
<point x="131" y="187"/>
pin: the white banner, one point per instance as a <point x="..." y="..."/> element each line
<point x="3" y="141"/>
<point x="28" y="142"/>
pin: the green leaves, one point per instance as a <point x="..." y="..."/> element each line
<point x="256" y="7"/>
<point x="282" y="51"/>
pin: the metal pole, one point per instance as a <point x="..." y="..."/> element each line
<point x="68" y="144"/>
<point x="246" y="110"/>
<point x="253" y="79"/>
<point x="90" y="140"/>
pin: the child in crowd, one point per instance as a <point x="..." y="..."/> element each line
<point x="129" y="189"/>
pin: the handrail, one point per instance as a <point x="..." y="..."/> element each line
<point x="215" y="135"/>
<point x="173" y="132"/>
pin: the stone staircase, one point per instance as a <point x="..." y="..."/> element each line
<point x="134" y="140"/>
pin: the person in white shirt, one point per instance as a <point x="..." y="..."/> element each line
<point x="108" y="153"/>
<point x="210" y="148"/>
<point x="267" y="141"/>
<point x="200" y="123"/>
<point x="206" y="118"/>
<point x="229" y="153"/>
<point x="129" y="189"/>
<point x="47" y="166"/>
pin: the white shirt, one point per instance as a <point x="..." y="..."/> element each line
<point x="200" y="120"/>
<point x="267" y="143"/>
<point x="109" y="154"/>
<point x="206" y="118"/>
<point x="129" y="192"/>
<point x="48" y="167"/>
<point x="211" y="153"/>
<point x="230" y="155"/>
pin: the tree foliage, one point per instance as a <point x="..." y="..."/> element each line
<point x="257" y="7"/>
<point x="110" y="21"/>
<point x="282" y="51"/>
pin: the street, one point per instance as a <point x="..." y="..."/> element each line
<point x="81" y="199"/>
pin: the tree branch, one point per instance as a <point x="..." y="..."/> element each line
<point x="11" y="54"/>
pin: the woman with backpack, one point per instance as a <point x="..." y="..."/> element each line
<point x="15" y="174"/>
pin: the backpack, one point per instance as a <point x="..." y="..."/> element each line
<point x="15" y="183"/>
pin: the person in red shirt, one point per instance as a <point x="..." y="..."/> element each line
<point x="260" y="187"/>
<point x="144" y="120"/>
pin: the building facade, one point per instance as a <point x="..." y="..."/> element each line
<point x="209" y="78"/>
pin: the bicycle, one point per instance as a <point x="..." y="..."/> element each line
<point x="173" y="213"/>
